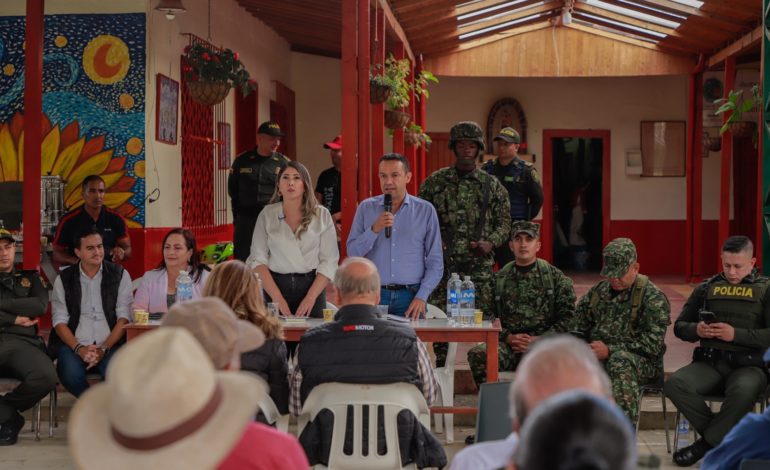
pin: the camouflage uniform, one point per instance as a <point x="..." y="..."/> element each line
<point x="523" y="302"/>
<point x="636" y="345"/>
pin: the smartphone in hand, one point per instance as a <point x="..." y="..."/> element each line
<point x="708" y="317"/>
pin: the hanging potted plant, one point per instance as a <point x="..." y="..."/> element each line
<point x="380" y="85"/>
<point x="415" y="136"/>
<point x="711" y="144"/>
<point x="739" y="105"/>
<point x="210" y="72"/>
<point x="396" y="73"/>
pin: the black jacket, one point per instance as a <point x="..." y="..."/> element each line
<point x="269" y="362"/>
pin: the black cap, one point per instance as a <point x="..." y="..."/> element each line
<point x="6" y="235"/>
<point x="270" y="128"/>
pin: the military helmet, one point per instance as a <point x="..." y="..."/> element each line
<point x="466" y="130"/>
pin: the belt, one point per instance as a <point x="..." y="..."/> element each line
<point x="397" y="286"/>
<point x="307" y="274"/>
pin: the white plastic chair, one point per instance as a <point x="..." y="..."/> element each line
<point x="270" y="410"/>
<point x="336" y="397"/>
<point x="445" y="376"/>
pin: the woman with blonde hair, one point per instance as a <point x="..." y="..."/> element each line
<point x="294" y="248"/>
<point x="236" y="285"/>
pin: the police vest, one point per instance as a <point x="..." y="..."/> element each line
<point x="17" y="285"/>
<point x="256" y="179"/>
<point x="739" y="305"/>
<point x="360" y="349"/>
<point x="516" y="181"/>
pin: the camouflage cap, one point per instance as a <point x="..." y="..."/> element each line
<point x="509" y="135"/>
<point x="466" y="130"/>
<point x="524" y="226"/>
<point x="6" y="235"/>
<point x="619" y="255"/>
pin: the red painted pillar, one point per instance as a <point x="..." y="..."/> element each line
<point x="349" y="116"/>
<point x="410" y="151"/>
<point x="419" y="176"/>
<point x="398" y="134"/>
<point x="697" y="183"/>
<point x="727" y="161"/>
<point x="364" y="158"/>
<point x="33" y="123"/>
<point x="378" y="119"/>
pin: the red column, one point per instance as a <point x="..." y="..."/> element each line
<point x="33" y="123"/>
<point x="378" y="119"/>
<point x="410" y="151"/>
<point x="349" y="116"/>
<point x="364" y="158"/>
<point x="398" y="134"/>
<point x="420" y="175"/>
<point x="727" y="161"/>
<point x="696" y="250"/>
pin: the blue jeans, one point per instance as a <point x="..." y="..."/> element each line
<point x="398" y="300"/>
<point x="72" y="370"/>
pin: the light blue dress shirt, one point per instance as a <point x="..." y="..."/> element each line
<point x="412" y="254"/>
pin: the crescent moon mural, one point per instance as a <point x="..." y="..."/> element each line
<point x="106" y="59"/>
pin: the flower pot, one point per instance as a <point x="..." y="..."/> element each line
<point x="743" y="129"/>
<point x="208" y="93"/>
<point x="379" y="93"/>
<point x="712" y="144"/>
<point x="412" y="138"/>
<point x="396" y="119"/>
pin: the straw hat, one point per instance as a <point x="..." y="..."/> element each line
<point x="162" y="406"/>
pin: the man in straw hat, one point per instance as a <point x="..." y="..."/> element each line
<point x="165" y="406"/>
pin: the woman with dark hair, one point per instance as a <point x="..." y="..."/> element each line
<point x="294" y="248"/>
<point x="237" y="286"/>
<point x="157" y="290"/>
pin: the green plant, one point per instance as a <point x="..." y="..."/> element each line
<point x="394" y="76"/>
<point x="422" y="138"/>
<point x="739" y="105"/>
<point x="207" y="63"/>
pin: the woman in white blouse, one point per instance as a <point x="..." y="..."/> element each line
<point x="294" y="248"/>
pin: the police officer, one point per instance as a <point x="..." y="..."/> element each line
<point x="624" y="319"/>
<point x="519" y="178"/>
<point x="532" y="298"/>
<point x="473" y="212"/>
<point x="730" y="315"/>
<point x="23" y="299"/>
<point x="251" y="184"/>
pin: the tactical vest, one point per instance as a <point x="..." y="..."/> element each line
<point x="70" y="277"/>
<point x="546" y="275"/>
<point x="16" y="285"/>
<point x="637" y="295"/>
<point x="739" y="305"/>
<point x="358" y="348"/>
<point x="256" y="180"/>
<point x="515" y="180"/>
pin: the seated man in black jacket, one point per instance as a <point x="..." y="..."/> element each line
<point x="381" y="345"/>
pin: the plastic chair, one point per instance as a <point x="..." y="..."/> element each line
<point x="338" y="397"/>
<point x="7" y="382"/>
<point x="493" y="421"/>
<point x="445" y="376"/>
<point x="655" y="386"/>
<point x="270" y="410"/>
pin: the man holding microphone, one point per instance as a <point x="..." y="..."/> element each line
<point x="400" y="234"/>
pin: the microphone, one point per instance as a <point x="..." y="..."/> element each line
<point x="388" y="201"/>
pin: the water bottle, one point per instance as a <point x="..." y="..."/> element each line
<point x="683" y="432"/>
<point x="184" y="287"/>
<point x="453" y="298"/>
<point x="467" y="301"/>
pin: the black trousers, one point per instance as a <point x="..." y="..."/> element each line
<point x="243" y="233"/>
<point x="24" y="359"/>
<point x="294" y="288"/>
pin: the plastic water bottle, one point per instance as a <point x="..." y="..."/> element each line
<point x="184" y="287"/>
<point x="683" y="432"/>
<point x="453" y="298"/>
<point x="467" y="301"/>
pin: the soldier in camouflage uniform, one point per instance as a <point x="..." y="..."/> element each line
<point x="458" y="194"/>
<point x="532" y="298"/>
<point x="624" y="319"/>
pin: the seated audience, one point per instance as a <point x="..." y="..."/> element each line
<point x="294" y="248"/>
<point x="358" y="347"/>
<point x="90" y="304"/>
<point x="136" y="418"/>
<point x="552" y="365"/>
<point x="236" y="285"/>
<point x="576" y="430"/>
<point x="157" y="289"/>
<point x="23" y="299"/>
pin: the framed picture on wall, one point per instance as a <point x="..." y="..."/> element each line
<point x="663" y="148"/>
<point x="167" y="104"/>
<point x="223" y="145"/>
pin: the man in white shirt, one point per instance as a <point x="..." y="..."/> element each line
<point x="553" y="364"/>
<point x="91" y="303"/>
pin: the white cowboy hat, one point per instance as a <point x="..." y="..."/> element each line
<point x="162" y="406"/>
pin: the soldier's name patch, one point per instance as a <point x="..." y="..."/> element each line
<point x="246" y="170"/>
<point x="741" y="292"/>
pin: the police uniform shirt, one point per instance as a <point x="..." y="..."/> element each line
<point x="252" y="181"/>
<point x="110" y="225"/>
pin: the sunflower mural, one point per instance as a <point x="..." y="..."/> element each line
<point x="93" y="105"/>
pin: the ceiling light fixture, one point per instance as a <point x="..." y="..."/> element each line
<point x="171" y="8"/>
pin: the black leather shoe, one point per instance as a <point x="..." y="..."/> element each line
<point x="687" y="456"/>
<point x="471" y="439"/>
<point x="9" y="433"/>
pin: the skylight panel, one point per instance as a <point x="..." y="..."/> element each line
<point x="690" y="3"/>
<point x="653" y="9"/>
<point x="505" y="25"/>
<point x="501" y="14"/>
<point x="624" y="25"/>
<point x="489" y="9"/>
<point x="634" y="14"/>
<point x="613" y="31"/>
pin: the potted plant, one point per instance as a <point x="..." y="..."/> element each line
<point x="394" y="77"/>
<point x="738" y="105"/>
<point x="210" y="72"/>
<point x="711" y="144"/>
<point x="414" y="135"/>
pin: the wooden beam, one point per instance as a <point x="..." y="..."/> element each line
<point x="510" y="9"/>
<point x="599" y="11"/>
<point x="749" y="40"/>
<point x="625" y="39"/>
<point x="391" y="20"/>
<point x="404" y="9"/>
<point x="456" y="45"/>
